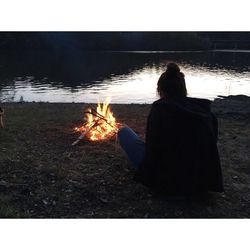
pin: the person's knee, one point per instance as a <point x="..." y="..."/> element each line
<point x="123" y="132"/>
<point x="125" y="136"/>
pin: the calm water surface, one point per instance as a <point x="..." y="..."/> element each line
<point x="127" y="77"/>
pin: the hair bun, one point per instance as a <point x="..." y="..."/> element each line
<point x="173" y="69"/>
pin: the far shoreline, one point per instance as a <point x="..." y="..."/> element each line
<point x="219" y="97"/>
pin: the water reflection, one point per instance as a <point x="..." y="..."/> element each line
<point x="126" y="77"/>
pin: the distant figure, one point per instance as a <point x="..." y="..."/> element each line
<point x="180" y="155"/>
<point x="1" y="117"/>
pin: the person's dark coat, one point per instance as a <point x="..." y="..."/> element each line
<point x="181" y="155"/>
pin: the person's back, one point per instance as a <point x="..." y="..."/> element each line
<point x="181" y="155"/>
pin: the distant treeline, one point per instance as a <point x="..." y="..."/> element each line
<point x="116" y="41"/>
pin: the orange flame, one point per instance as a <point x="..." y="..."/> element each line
<point x="101" y="126"/>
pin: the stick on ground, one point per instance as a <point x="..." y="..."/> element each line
<point x="84" y="133"/>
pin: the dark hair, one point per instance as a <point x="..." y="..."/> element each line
<point x="172" y="82"/>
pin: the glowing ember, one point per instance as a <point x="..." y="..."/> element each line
<point x="100" y="123"/>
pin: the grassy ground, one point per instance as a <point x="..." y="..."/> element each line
<point x="42" y="176"/>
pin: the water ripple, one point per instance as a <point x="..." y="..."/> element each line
<point x="132" y="82"/>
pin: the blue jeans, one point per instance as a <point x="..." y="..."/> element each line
<point x="132" y="145"/>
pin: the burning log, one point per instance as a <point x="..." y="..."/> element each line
<point x="95" y="113"/>
<point x="1" y="117"/>
<point x="84" y="134"/>
<point x="100" y="125"/>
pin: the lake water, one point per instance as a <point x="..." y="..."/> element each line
<point x="127" y="77"/>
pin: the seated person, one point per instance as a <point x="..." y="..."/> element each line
<point x="180" y="155"/>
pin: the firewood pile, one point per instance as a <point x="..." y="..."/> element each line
<point x="100" y="124"/>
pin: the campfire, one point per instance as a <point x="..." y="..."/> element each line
<point x="100" y="124"/>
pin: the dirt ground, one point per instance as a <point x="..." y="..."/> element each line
<point x="43" y="176"/>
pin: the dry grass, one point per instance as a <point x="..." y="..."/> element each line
<point x="42" y="176"/>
